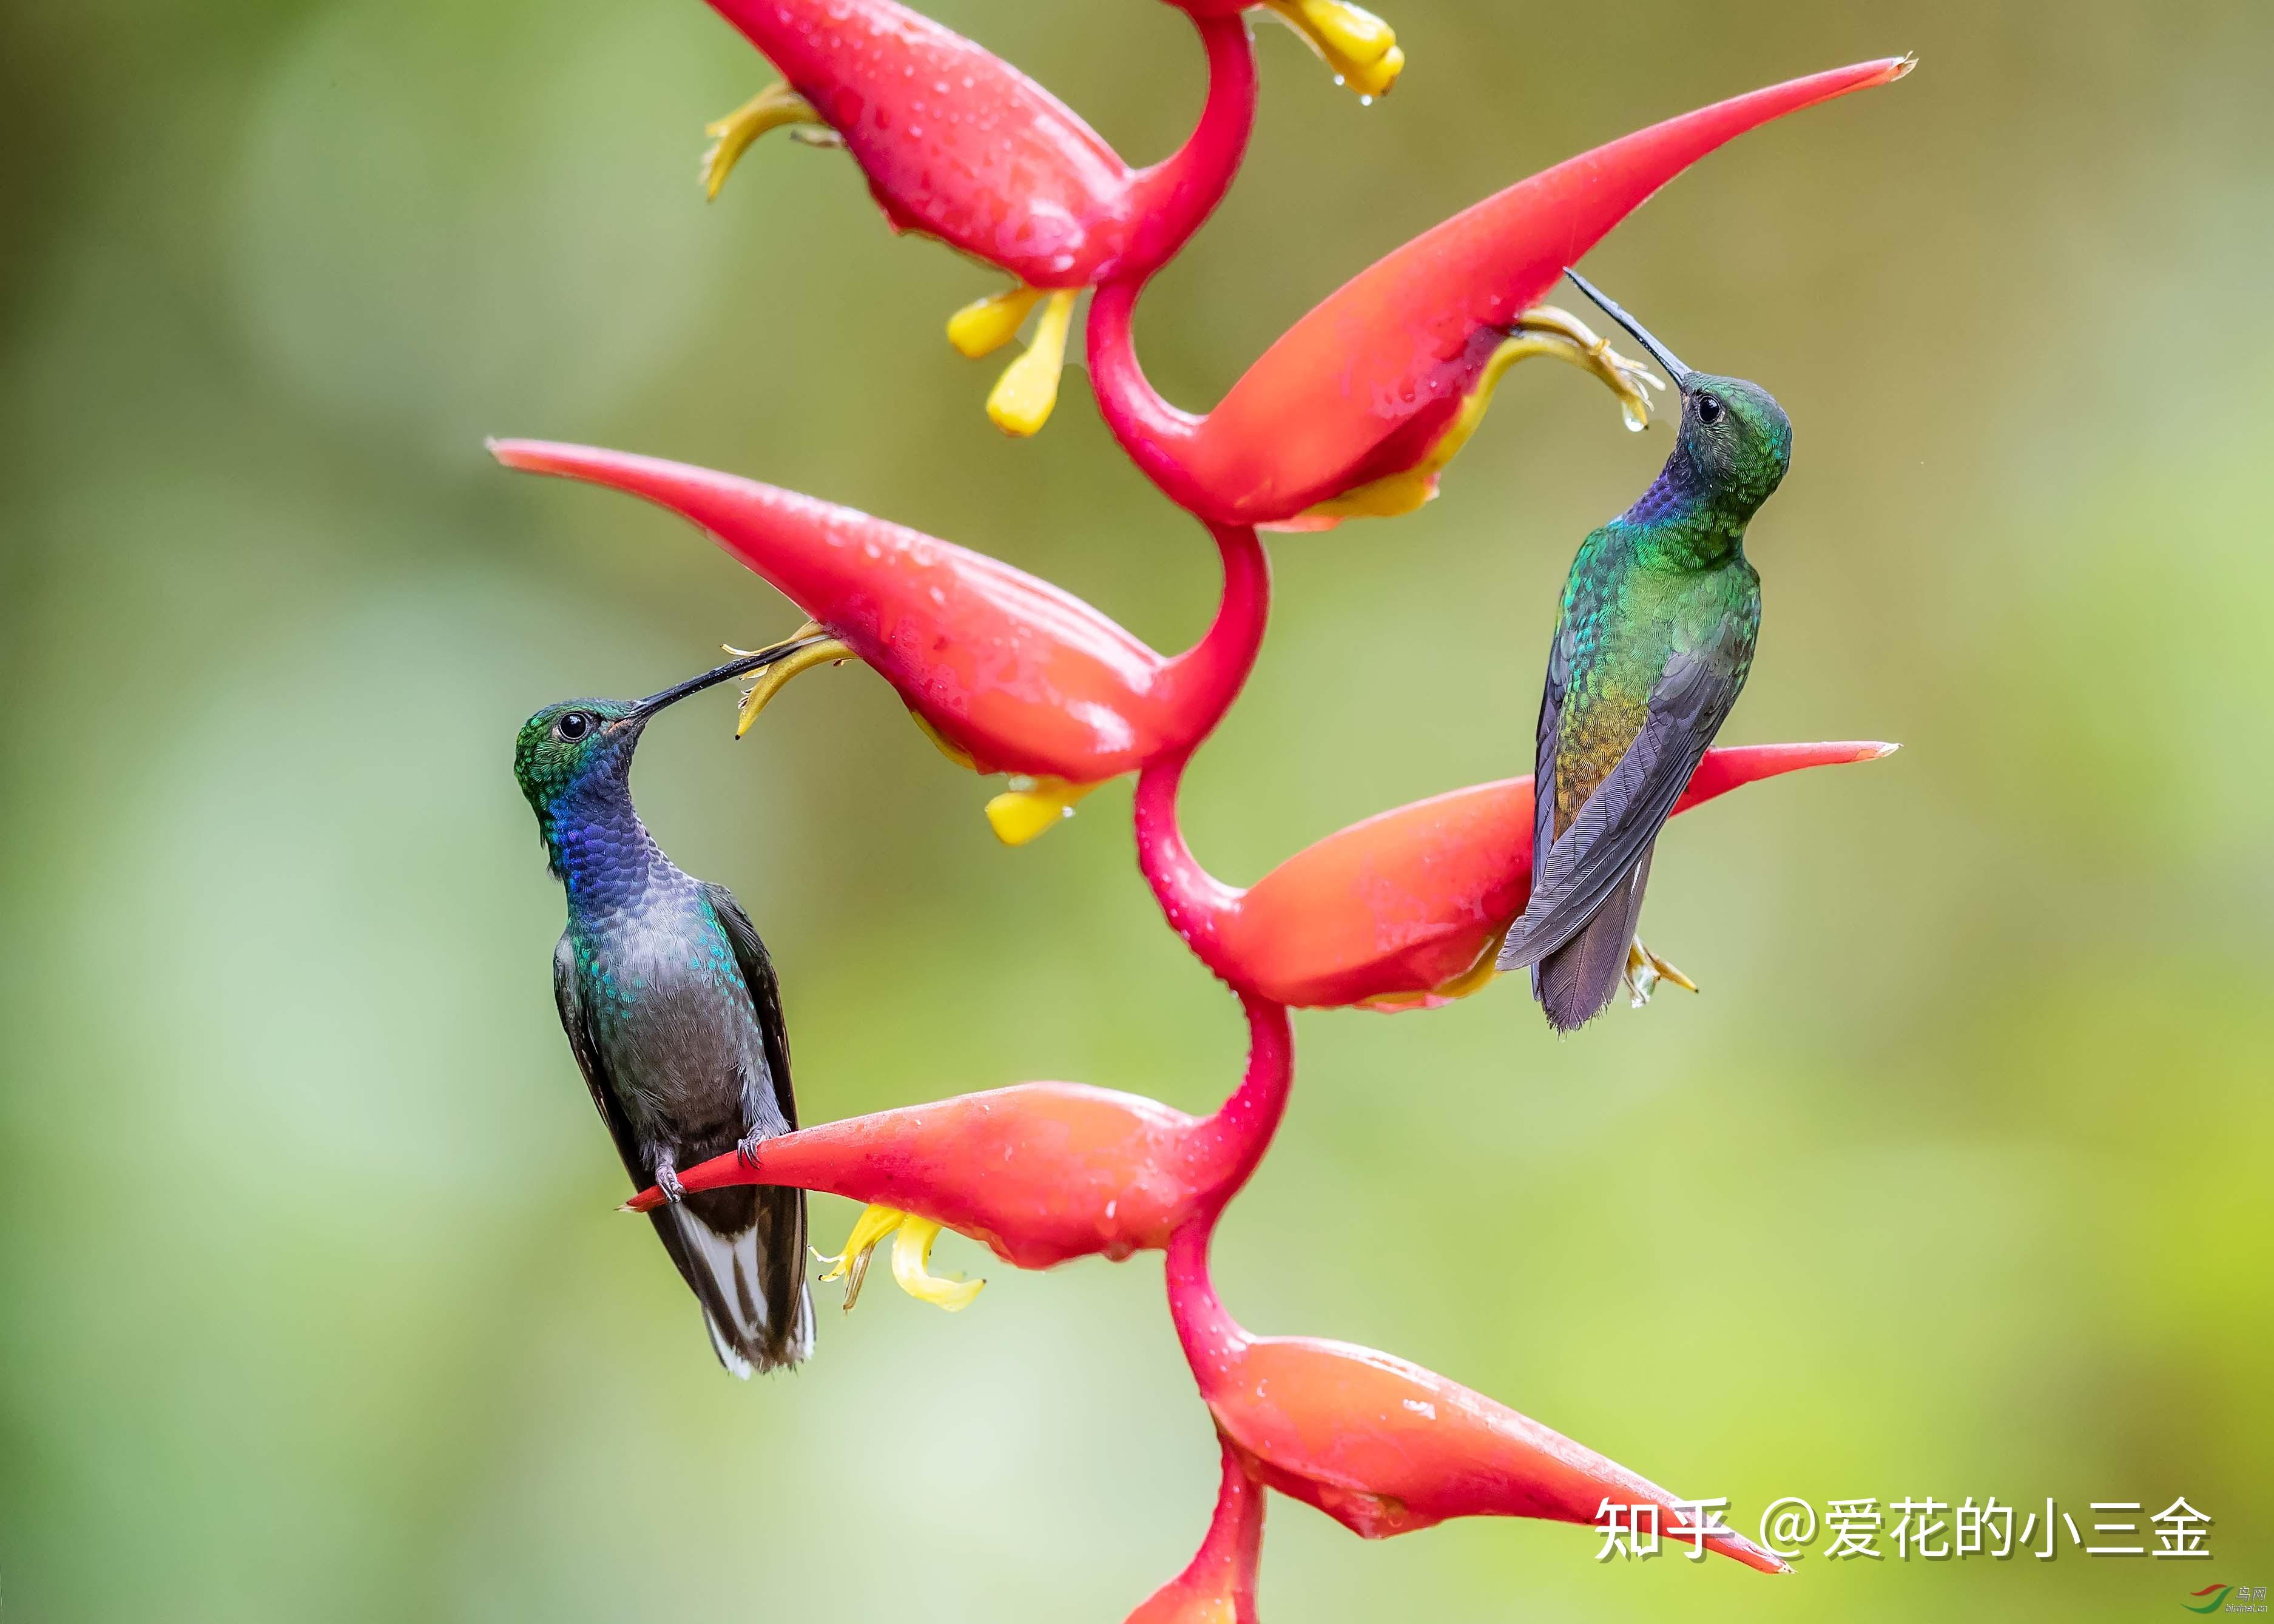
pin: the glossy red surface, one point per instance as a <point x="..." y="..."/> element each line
<point x="958" y="145"/>
<point x="1388" y="910"/>
<point x="1365" y="385"/>
<point x="1023" y="676"/>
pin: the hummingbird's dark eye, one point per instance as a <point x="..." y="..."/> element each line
<point x="1709" y="409"/>
<point x="574" y="725"/>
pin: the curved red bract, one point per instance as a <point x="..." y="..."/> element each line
<point x="1365" y="384"/>
<point x="958" y="145"/>
<point x="1041" y="1172"/>
<point x="1021" y="675"/>
<point x="1388" y="911"/>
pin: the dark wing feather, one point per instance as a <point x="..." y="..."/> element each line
<point x="757" y="969"/>
<point x="1622" y="818"/>
<point x="592" y="1063"/>
<point x="1551" y="727"/>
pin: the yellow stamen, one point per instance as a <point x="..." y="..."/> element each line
<point x="1644" y="971"/>
<point x="772" y="679"/>
<point x="851" y="1263"/>
<point x="984" y="326"/>
<point x="911" y="1255"/>
<point x="1028" y="388"/>
<point x="770" y="108"/>
<point x="1359" y="46"/>
<point x="1542" y="330"/>
<point x="1032" y="807"/>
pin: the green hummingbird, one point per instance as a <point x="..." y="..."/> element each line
<point x="674" y="1016"/>
<point x="1652" y="645"/>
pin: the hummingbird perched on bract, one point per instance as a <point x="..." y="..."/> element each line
<point x="674" y="1016"/>
<point x="1653" y="644"/>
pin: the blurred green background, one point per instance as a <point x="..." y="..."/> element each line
<point x="1954" y="1182"/>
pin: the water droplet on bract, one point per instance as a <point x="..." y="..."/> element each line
<point x="1339" y="81"/>
<point x="1635" y="425"/>
<point x="1365" y="100"/>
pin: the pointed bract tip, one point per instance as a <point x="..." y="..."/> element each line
<point x="1901" y="69"/>
<point x="1880" y="752"/>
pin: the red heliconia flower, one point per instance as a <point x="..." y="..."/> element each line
<point x="1404" y="910"/>
<point x="1360" y="405"/>
<point x="959" y="145"/>
<point x="1006" y="672"/>
<point x="1040" y="1173"/>
<point x="1384" y="1446"/>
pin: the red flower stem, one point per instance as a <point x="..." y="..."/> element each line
<point x="1174" y="196"/>
<point x="1209" y="1337"/>
<point x="1224" y="1148"/>
<point x="1150" y="430"/>
<point x="1192" y="898"/>
<point x="1239" y="1132"/>
<point x="1218" y="1586"/>
<point x="1203" y="681"/>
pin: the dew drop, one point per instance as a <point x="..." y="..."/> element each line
<point x="1635" y="425"/>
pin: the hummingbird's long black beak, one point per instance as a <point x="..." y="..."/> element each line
<point x="1658" y="352"/>
<point x="742" y="665"/>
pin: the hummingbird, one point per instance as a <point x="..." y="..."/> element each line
<point x="674" y="1016"/>
<point x="1653" y="644"/>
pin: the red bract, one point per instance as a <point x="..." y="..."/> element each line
<point x="1384" y="1446"/>
<point x="958" y="145"/>
<point x="1008" y="673"/>
<point x="1040" y="1173"/>
<point x="1358" y="407"/>
<point x="1404" y="910"/>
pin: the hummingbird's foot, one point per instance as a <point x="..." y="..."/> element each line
<point x="1644" y="971"/>
<point x="1032" y="807"/>
<point x="771" y="109"/>
<point x="823" y="650"/>
<point x="911" y="1257"/>
<point x="747" y="1150"/>
<point x="1026" y="393"/>
<point x="1543" y="330"/>
<point x="666" y="1180"/>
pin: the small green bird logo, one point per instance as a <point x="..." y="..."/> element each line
<point x="2213" y="1605"/>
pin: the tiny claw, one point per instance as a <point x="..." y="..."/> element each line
<point x="984" y="326"/>
<point x="1644" y="971"/>
<point x="1028" y="392"/>
<point x="770" y="108"/>
<point x="666" y="1180"/>
<point x="1031" y="808"/>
